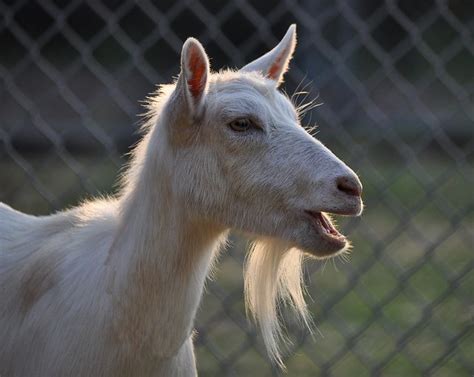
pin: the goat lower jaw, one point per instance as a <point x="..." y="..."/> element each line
<point x="327" y="230"/>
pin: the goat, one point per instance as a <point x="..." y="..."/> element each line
<point x="111" y="287"/>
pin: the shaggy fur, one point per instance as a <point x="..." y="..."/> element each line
<point x="111" y="287"/>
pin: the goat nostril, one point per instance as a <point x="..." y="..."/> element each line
<point x="349" y="186"/>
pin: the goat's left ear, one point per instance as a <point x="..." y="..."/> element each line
<point x="274" y="63"/>
<point x="194" y="73"/>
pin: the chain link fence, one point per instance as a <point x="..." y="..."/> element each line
<point x="396" y="83"/>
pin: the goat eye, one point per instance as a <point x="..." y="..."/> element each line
<point x="240" y="125"/>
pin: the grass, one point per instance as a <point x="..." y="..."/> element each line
<point x="401" y="307"/>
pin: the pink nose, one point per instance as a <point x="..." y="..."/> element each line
<point x="349" y="185"/>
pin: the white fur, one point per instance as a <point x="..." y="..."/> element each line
<point x="111" y="287"/>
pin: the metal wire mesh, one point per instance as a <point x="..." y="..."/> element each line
<point x="397" y="82"/>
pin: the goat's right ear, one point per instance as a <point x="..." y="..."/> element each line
<point x="274" y="63"/>
<point x="194" y="74"/>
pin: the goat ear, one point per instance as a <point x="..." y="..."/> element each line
<point x="274" y="63"/>
<point x="194" y="73"/>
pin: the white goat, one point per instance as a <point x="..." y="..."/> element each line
<point x="111" y="288"/>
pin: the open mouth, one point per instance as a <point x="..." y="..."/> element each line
<point x="326" y="229"/>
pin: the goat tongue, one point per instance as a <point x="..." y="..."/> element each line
<point x="327" y="225"/>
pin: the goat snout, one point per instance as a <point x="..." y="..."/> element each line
<point x="349" y="185"/>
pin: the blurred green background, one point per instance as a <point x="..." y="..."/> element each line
<point x="396" y="81"/>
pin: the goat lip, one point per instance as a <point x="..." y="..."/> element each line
<point x="345" y="212"/>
